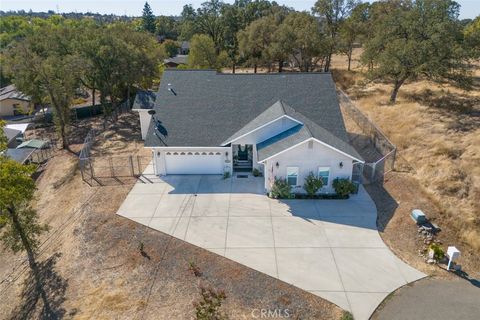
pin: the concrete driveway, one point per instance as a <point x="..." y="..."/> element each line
<point x="328" y="247"/>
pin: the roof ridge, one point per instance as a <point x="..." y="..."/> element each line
<point x="281" y="106"/>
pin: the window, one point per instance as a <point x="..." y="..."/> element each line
<point x="324" y="173"/>
<point x="292" y="175"/>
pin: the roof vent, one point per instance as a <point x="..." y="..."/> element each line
<point x="171" y="89"/>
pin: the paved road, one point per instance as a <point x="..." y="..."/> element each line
<point x="433" y="299"/>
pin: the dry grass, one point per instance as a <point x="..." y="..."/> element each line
<point x="437" y="130"/>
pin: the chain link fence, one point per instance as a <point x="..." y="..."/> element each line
<point x="374" y="146"/>
<point x="104" y="170"/>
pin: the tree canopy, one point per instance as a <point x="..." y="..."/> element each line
<point x="148" y="19"/>
<point x="416" y="38"/>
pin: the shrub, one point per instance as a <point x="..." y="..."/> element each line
<point x="346" y="316"/>
<point x="226" y="175"/>
<point x="208" y="306"/>
<point x="256" y="172"/>
<point x="438" y="252"/>
<point x="343" y="187"/>
<point x="193" y="267"/>
<point x="281" y="189"/>
<point x="312" y="184"/>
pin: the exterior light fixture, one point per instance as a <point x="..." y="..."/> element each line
<point x="340" y="165"/>
<point x="226" y="154"/>
<point x="158" y="153"/>
<point x="277" y="165"/>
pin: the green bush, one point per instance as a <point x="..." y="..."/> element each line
<point x="346" y="316"/>
<point x="256" y="172"/>
<point x="312" y="184"/>
<point x="281" y="189"/>
<point x="438" y="252"/>
<point x="226" y="175"/>
<point x="343" y="187"/>
<point x="208" y="307"/>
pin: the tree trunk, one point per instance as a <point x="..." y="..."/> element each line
<point x="349" y="54"/>
<point x="128" y="97"/>
<point x="280" y="65"/>
<point x="327" y="62"/>
<point x="93" y="102"/>
<point x="31" y="261"/>
<point x="63" y="134"/>
<point x="233" y="67"/>
<point x="398" y="83"/>
<point x="115" y="110"/>
<point x="255" y="68"/>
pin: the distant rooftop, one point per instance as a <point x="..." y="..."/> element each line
<point x="11" y="92"/>
<point x="178" y="59"/>
<point x="145" y="99"/>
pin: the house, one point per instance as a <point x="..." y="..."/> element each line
<point x="12" y="136"/>
<point x="176" y="61"/>
<point x="13" y="102"/>
<point x="184" y="48"/>
<point x="285" y="125"/>
<point x="15" y="133"/>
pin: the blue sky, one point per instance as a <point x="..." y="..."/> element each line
<point x="470" y="8"/>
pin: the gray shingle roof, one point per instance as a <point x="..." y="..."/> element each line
<point x="205" y="108"/>
<point x="11" y="134"/>
<point x="178" y="59"/>
<point x="308" y="129"/>
<point x="145" y="99"/>
<point x="19" y="155"/>
<point x="274" y="112"/>
<point x="11" y="92"/>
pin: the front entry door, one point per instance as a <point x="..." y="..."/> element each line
<point x="242" y="153"/>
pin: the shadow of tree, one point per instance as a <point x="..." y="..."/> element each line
<point x="447" y="101"/>
<point x="31" y="306"/>
<point x="463" y="109"/>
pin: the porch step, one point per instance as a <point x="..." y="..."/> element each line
<point x="243" y="164"/>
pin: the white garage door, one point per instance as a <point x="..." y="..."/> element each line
<point x="194" y="163"/>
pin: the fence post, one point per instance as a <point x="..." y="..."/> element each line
<point x="112" y="172"/>
<point x="130" y="159"/>
<point x="374" y="165"/>
<point x="394" y="155"/>
<point x="81" y="169"/>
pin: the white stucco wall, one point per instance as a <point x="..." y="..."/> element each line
<point x="144" y="121"/>
<point x="160" y="152"/>
<point x="308" y="160"/>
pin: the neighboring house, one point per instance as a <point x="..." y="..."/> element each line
<point x="184" y="48"/>
<point x="284" y="125"/>
<point x="176" y="61"/>
<point x="15" y="133"/>
<point x="22" y="156"/>
<point x="33" y="144"/>
<point x="12" y="135"/>
<point x="13" y="102"/>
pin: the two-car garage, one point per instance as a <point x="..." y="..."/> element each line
<point x="203" y="161"/>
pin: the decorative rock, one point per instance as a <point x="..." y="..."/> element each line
<point x="431" y="261"/>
